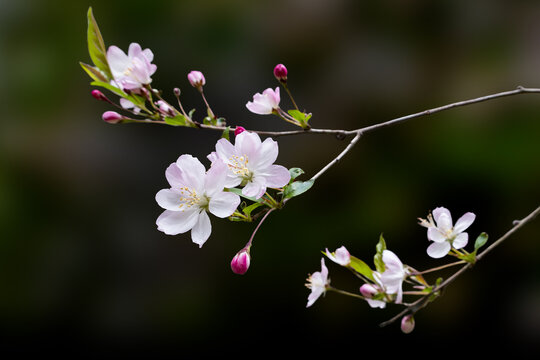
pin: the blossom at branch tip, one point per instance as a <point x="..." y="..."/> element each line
<point x="391" y="279"/>
<point x="194" y="192"/>
<point x="250" y="163"/>
<point x="265" y="103"/>
<point x="196" y="79"/>
<point x="443" y="234"/>
<point x="131" y="71"/>
<point x="280" y="72"/>
<point x="317" y="282"/>
<point x="112" y="117"/>
<point x="341" y="256"/>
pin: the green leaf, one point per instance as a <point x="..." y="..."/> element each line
<point x="377" y="259"/>
<point x="299" y="116"/>
<point x="297" y="188"/>
<point x="96" y="46"/>
<point x="481" y="240"/>
<point x="190" y="113"/>
<point x="248" y="209"/>
<point x="111" y="88"/>
<point x="178" y="120"/>
<point x="361" y="267"/>
<point x="295" y="172"/>
<point x="208" y="121"/>
<point x="225" y="134"/>
<point x="239" y="192"/>
<point x="94" y="72"/>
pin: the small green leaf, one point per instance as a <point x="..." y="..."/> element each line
<point x="190" y="114"/>
<point x="377" y="259"/>
<point x="208" y="121"/>
<point x="295" y="172"/>
<point x="220" y="121"/>
<point x="225" y="134"/>
<point x="481" y="240"/>
<point x="361" y="267"/>
<point x="111" y="88"/>
<point x="178" y="120"/>
<point x="297" y="188"/>
<point x="96" y="46"/>
<point x="94" y="72"/>
<point x="299" y="116"/>
<point x="248" y="209"/>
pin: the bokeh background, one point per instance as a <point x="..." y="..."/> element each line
<point x="83" y="268"/>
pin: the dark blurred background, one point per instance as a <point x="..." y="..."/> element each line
<point x="83" y="268"/>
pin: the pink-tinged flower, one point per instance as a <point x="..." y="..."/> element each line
<point x="131" y="71"/>
<point x="265" y="103"/>
<point x="368" y="291"/>
<point x="407" y="324"/>
<point x="165" y="108"/>
<point x="251" y="164"/>
<point x="112" y="117"/>
<point x="240" y="262"/>
<point x="194" y="192"/>
<point x="196" y="79"/>
<point x="280" y="72"/>
<point x="443" y="234"/>
<point x="128" y="105"/>
<point x="239" y="130"/>
<point x="341" y="256"/>
<point x="392" y="278"/>
<point x="317" y="282"/>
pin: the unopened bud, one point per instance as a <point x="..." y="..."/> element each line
<point x="239" y="130"/>
<point x="368" y="291"/>
<point x="165" y="108"/>
<point x="407" y="324"/>
<point x="176" y="91"/>
<point x="240" y="262"/>
<point x="280" y="72"/>
<point x="99" y="95"/>
<point x="196" y="79"/>
<point x="112" y="117"/>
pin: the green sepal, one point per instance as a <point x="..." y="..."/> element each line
<point x="295" y="172"/>
<point x="361" y="267"/>
<point x="296" y="188"/>
<point x="377" y="259"/>
<point x="96" y="46"/>
<point x="225" y="134"/>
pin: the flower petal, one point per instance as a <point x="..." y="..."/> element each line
<point x="439" y="211"/>
<point x="176" y="222"/>
<point x="192" y="172"/>
<point x="376" y="303"/>
<point x="214" y="180"/>
<point x="267" y="154"/>
<point x="118" y="61"/>
<point x="434" y="234"/>
<point x="169" y="199"/>
<point x="438" y="250"/>
<point x="223" y="204"/>
<point x="248" y="144"/>
<point x="255" y="188"/>
<point x="464" y="222"/>
<point x="276" y="176"/>
<point x="258" y="108"/>
<point x="460" y="241"/>
<point x="444" y="222"/>
<point x="202" y="229"/>
<point x="316" y="292"/>
<point x="174" y="176"/>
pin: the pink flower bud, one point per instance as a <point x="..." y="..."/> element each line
<point x="112" y="117"/>
<point x="280" y="72"/>
<point x="165" y="108"/>
<point x="196" y="79"/>
<point x="239" y="130"/>
<point x="99" y="95"/>
<point x="407" y="324"/>
<point x="240" y="262"/>
<point x="368" y="291"/>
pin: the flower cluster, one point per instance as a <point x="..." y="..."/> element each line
<point x="384" y="284"/>
<point x="194" y="191"/>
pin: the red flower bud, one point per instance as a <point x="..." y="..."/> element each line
<point x="280" y="72"/>
<point x="112" y="117"/>
<point x="240" y="262"/>
<point x="239" y="130"/>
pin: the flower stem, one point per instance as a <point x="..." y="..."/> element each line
<point x="343" y="292"/>
<point x="440" y="267"/>
<point x="289" y="93"/>
<point x="258" y="226"/>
